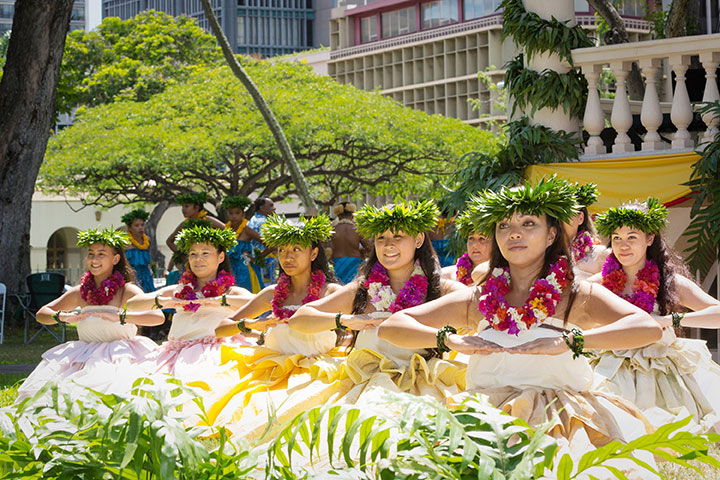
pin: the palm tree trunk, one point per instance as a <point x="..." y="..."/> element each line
<point x="262" y="105"/>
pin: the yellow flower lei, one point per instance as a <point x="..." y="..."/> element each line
<point x="202" y="214"/>
<point x="145" y="244"/>
<point x="240" y="229"/>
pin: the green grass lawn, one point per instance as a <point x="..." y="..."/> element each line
<point x="9" y="384"/>
<point x="13" y="350"/>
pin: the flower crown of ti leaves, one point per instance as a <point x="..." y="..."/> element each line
<point x="236" y="201"/>
<point x="586" y="194"/>
<point x="107" y="236"/>
<point x="193" y="198"/>
<point x="409" y="217"/>
<point x="553" y="197"/>
<point x="196" y="222"/>
<point x="278" y="231"/>
<point x="463" y="223"/>
<point x="221" y="238"/>
<point x="133" y="215"/>
<point x="652" y="221"/>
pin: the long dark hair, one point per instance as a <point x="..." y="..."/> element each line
<point x="558" y="248"/>
<point x="587" y="225"/>
<point x="320" y="263"/>
<point x="428" y="262"/>
<point x="123" y="266"/>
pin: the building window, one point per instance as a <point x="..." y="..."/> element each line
<point x="439" y="12"/>
<point x="7" y="11"/>
<point x="368" y="29"/>
<point x="78" y="13"/>
<point x="56" y="250"/>
<point x="631" y="8"/>
<point x="398" y="22"/>
<point x="480" y="8"/>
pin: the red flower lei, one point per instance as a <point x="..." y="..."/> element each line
<point x="217" y="287"/>
<point x="645" y="288"/>
<point x="464" y="269"/>
<point x="581" y="245"/>
<point x="544" y="297"/>
<point x="105" y="292"/>
<point x="282" y="290"/>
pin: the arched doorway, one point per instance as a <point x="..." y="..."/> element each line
<point x="56" y="251"/>
<point x="63" y="255"/>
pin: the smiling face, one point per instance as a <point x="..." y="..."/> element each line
<point x="296" y="259"/>
<point x="630" y="244"/>
<point x="101" y="259"/>
<point x="523" y="239"/>
<point x="204" y="260"/>
<point x="137" y="227"/>
<point x="396" y="250"/>
<point x="478" y="248"/>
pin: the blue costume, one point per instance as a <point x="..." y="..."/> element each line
<point x="255" y="223"/>
<point x="346" y="268"/>
<point x="247" y="274"/>
<point x="139" y="260"/>
<point x="444" y="255"/>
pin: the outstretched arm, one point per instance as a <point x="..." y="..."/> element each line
<point x="705" y="308"/>
<point x="319" y="316"/>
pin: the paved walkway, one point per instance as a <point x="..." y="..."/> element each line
<point x="17" y="368"/>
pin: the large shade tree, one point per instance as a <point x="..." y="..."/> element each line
<point x="207" y="133"/>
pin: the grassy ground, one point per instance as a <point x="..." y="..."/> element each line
<point x="13" y="350"/>
<point x="8" y="387"/>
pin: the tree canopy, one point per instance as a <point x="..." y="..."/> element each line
<point x="206" y="133"/>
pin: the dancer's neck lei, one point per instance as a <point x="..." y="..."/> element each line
<point x="140" y="246"/>
<point x="581" y="245"/>
<point x="382" y="296"/>
<point x="240" y="229"/>
<point x="189" y="283"/>
<point x="544" y="297"/>
<point x="645" y="288"/>
<point x="105" y="292"/>
<point x="464" y="269"/>
<point x="282" y="290"/>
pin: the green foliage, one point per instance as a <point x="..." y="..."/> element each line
<point x="658" y="20"/>
<point x="235" y="201"/>
<point x="704" y="229"/>
<point x="107" y="236"/>
<point x="4" y="42"/>
<point x="192" y="198"/>
<point x="651" y="221"/>
<point x="278" y="231"/>
<point x="537" y="35"/>
<point x="133" y="215"/>
<point x="546" y="89"/>
<point x="586" y="194"/>
<point x="221" y="238"/>
<point x="403" y="216"/>
<point x="206" y="134"/>
<point x="131" y="59"/>
<point x="554" y="197"/>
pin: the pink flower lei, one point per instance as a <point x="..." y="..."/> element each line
<point x="282" y="290"/>
<point x="105" y="292"/>
<point x="544" y="297"/>
<point x="581" y="245"/>
<point x="645" y="288"/>
<point x="189" y="283"/>
<point x="383" y="298"/>
<point x="464" y="269"/>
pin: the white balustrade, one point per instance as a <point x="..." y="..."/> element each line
<point x="621" y="118"/>
<point x="594" y="119"/>
<point x="651" y="116"/>
<point x="710" y="61"/>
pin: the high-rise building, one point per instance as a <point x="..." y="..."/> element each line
<point x="262" y="27"/>
<point x="78" y="18"/>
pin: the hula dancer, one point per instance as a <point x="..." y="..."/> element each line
<point x="109" y="355"/>
<point x="438" y="236"/>
<point x="265" y="372"/>
<point x="588" y="254"/>
<point x="192" y="209"/>
<point x="346" y="243"/>
<point x="247" y="273"/>
<point x="674" y="377"/>
<point x="531" y="360"/>
<point x="477" y="252"/>
<point x="138" y="250"/>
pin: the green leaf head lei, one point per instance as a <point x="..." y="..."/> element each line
<point x="463" y="223"/>
<point x="107" y="236"/>
<point x="409" y="217"/>
<point x="278" y="231"/>
<point x="196" y="222"/>
<point x="236" y="201"/>
<point x="133" y="215"/>
<point x="649" y="217"/>
<point x="193" y="198"/>
<point x="221" y="238"/>
<point x="553" y="197"/>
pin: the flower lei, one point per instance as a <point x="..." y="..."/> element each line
<point x="644" y="289"/>
<point x="240" y="229"/>
<point x="189" y="283"/>
<point x="383" y="298"/>
<point x="581" y="245"/>
<point x="105" y="292"/>
<point x="282" y="290"/>
<point x="143" y="246"/>
<point x="464" y="269"/>
<point x="544" y="297"/>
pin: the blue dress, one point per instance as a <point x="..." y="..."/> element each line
<point x="443" y="252"/>
<point x="139" y="260"/>
<point x="346" y="268"/>
<point x="247" y="274"/>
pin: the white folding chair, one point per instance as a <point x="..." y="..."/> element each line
<point x="3" y="293"/>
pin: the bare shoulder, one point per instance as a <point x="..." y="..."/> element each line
<point x="332" y="288"/>
<point x="131" y="290"/>
<point x="448" y="286"/>
<point x="449" y="272"/>
<point x="235" y="290"/>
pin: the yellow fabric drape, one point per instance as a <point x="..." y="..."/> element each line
<point x="625" y="179"/>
